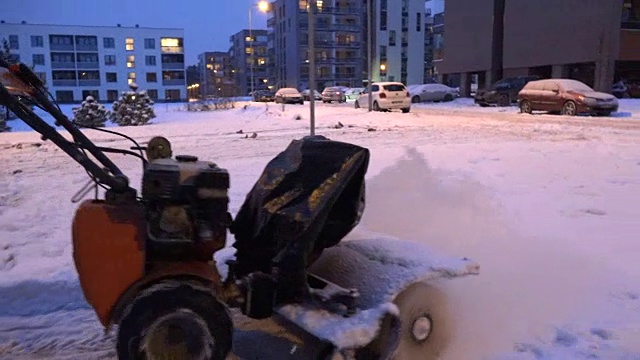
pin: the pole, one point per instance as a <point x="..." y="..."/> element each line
<point x="312" y="67"/>
<point x="251" y="47"/>
<point x="370" y="52"/>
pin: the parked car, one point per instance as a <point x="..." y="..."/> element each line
<point x="386" y="96"/>
<point x="433" y="92"/>
<point x="353" y="93"/>
<point x="289" y="96"/>
<point x="306" y="97"/>
<point x="333" y="94"/>
<point x="263" y="96"/>
<point x="565" y="96"/>
<point x="504" y="92"/>
<point x="626" y="89"/>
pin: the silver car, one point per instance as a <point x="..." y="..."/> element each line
<point x="333" y="94"/>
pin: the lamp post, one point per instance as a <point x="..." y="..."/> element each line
<point x="370" y="52"/>
<point x="312" y="67"/>
<point x="263" y="6"/>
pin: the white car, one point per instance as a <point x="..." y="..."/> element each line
<point x="386" y="96"/>
<point x="432" y="92"/>
<point x="288" y="96"/>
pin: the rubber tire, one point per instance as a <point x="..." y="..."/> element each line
<point x="448" y="97"/>
<point x="504" y="100"/>
<point x="415" y="99"/>
<point x="416" y="300"/>
<point x="357" y="105"/>
<point x="404" y="111"/>
<point x="376" y="107"/>
<point x="167" y="298"/>
<point x="525" y="107"/>
<point x="566" y="108"/>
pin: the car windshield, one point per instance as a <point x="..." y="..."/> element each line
<point x="393" y="87"/>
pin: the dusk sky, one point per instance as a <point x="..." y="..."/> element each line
<point x="207" y="24"/>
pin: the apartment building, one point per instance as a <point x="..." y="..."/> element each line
<point x="78" y="61"/>
<point x="434" y="44"/>
<point x="339" y="51"/>
<point x="217" y="76"/>
<point x="250" y="61"/>
<point x="594" y="41"/>
<point x="399" y="41"/>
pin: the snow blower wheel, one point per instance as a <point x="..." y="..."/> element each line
<point x="426" y="326"/>
<point x="175" y="320"/>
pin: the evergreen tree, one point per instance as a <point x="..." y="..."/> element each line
<point x="5" y="51"/>
<point x="90" y="113"/>
<point x="133" y="108"/>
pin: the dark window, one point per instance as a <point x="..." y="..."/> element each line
<point x="112" y="95"/>
<point x="88" y="75"/>
<point x="61" y="40"/>
<point x="112" y="77"/>
<point x="153" y="94"/>
<point x="64" y="95"/>
<point x="152" y="77"/>
<point x="38" y="59"/>
<point x="172" y="94"/>
<point x="86" y="40"/>
<point x="63" y="57"/>
<point x="93" y="93"/>
<point x="418" y="22"/>
<point x="109" y="43"/>
<point x="109" y="59"/>
<point x="150" y="60"/>
<point x="87" y="57"/>
<point x="63" y="75"/>
<point x="172" y="75"/>
<point x="392" y="38"/>
<point x="149" y="43"/>
<point x="37" y="41"/>
<point x="14" y="44"/>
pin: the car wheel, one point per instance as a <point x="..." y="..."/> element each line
<point x="448" y="97"/>
<point x="569" y="108"/>
<point x="525" y="107"/>
<point x="415" y="99"/>
<point x="406" y="110"/>
<point x="504" y="100"/>
<point x="376" y="107"/>
<point x="357" y="105"/>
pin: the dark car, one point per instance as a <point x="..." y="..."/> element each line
<point x="263" y="96"/>
<point x="504" y="92"/>
<point x="565" y="96"/>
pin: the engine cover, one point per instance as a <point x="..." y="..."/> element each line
<point x="186" y="204"/>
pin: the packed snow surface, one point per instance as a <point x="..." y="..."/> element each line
<point x="547" y="205"/>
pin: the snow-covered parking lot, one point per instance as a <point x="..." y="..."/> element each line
<point x="546" y="204"/>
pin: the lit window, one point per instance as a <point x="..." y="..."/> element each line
<point x="171" y="45"/>
<point x="169" y="42"/>
<point x="131" y="77"/>
<point x="131" y="61"/>
<point x="129" y="44"/>
<point x="262" y="61"/>
<point x="248" y="50"/>
<point x="248" y="38"/>
<point x="209" y="66"/>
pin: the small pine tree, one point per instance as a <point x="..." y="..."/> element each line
<point x="90" y="113"/>
<point x="133" y="108"/>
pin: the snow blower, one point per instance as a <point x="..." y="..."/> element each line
<point x="145" y="259"/>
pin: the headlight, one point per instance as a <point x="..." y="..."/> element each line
<point x="587" y="100"/>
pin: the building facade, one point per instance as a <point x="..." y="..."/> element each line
<point x="250" y="61"/>
<point x="217" y="76"/>
<point x="399" y="41"/>
<point x="101" y="61"/>
<point x="434" y="45"/>
<point x="594" y="41"/>
<point x="339" y="50"/>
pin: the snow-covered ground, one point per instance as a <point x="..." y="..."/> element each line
<point x="546" y="204"/>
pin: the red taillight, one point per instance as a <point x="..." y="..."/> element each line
<point x="383" y="96"/>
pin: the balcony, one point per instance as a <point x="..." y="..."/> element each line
<point x="173" y="66"/>
<point x="331" y="27"/>
<point x="352" y="10"/>
<point x="174" y="82"/>
<point x="61" y="47"/>
<point x="271" y="21"/>
<point x="63" y="65"/>
<point x="89" y="82"/>
<point x="65" y="83"/>
<point x="89" y="65"/>
<point x="84" y="47"/>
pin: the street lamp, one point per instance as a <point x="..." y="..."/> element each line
<point x="311" y="6"/>
<point x="262" y="6"/>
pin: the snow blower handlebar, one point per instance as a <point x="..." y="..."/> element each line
<point x="16" y="81"/>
